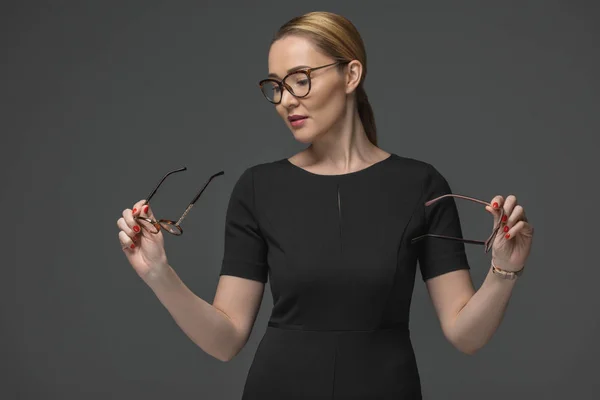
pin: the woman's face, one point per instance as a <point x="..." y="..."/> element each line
<point x="324" y="105"/>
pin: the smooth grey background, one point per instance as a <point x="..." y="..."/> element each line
<point x="100" y="99"/>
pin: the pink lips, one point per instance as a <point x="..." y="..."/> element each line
<point x="293" y="118"/>
<point x="297" y="120"/>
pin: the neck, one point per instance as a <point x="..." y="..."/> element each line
<point x="345" y="144"/>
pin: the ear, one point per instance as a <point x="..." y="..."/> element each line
<point x="354" y="73"/>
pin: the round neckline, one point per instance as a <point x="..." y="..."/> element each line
<point x="348" y="174"/>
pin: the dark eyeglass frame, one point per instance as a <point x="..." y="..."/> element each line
<point x="282" y="84"/>
<point x="486" y="243"/>
<point x="159" y="224"/>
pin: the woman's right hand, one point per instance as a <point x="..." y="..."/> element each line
<point x="144" y="250"/>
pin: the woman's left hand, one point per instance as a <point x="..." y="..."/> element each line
<point x="512" y="244"/>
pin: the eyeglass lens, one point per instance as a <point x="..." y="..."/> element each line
<point x="298" y="83"/>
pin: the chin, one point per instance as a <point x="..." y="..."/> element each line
<point x="303" y="137"/>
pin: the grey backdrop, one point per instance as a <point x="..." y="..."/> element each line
<point x="100" y="99"/>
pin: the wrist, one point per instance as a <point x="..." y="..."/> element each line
<point x="156" y="274"/>
<point x="506" y="266"/>
<point x="510" y="273"/>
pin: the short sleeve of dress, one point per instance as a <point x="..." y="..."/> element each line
<point x="439" y="256"/>
<point x="245" y="250"/>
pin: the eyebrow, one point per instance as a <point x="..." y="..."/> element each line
<point x="296" y="68"/>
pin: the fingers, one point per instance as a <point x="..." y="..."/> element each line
<point x="143" y="210"/>
<point x="514" y="220"/>
<point x="127" y="235"/>
<point x="123" y="226"/>
<point x="517" y="222"/>
<point x="130" y="222"/>
<point x="497" y="202"/>
<point x="137" y="207"/>
<point x="126" y="242"/>
<point x="517" y="214"/>
<point x="509" y="206"/>
<point x="139" y="210"/>
<point x="521" y="227"/>
<point x="129" y="226"/>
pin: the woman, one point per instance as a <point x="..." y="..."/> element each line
<point x="332" y="227"/>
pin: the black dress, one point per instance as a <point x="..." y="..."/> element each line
<point x="336" y="250"/>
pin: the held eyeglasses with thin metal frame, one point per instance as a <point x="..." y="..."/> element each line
<point x="171" y="226"/>
<point x="486" y="243"/>
<point x="298" y="83"/>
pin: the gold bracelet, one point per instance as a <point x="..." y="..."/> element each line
<point x="507" y="274"/>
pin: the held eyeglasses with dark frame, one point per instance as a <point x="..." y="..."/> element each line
<point x="171" y="226"/>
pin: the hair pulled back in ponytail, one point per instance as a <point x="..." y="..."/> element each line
<point x="337" y="37"/>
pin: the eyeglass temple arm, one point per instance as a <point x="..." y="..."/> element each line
<point x="430" y="202"/>
<point x="187" y="210"/>
<point x="487" y="242"/>
<point x="416" y="239"/>
<point x="485" y="203"/>
<point x="309" y="70"/>
<point x="160" y="183"/>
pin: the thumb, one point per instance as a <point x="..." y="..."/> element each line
<point x="142" y="209"/>
<point x="146" y="211"/>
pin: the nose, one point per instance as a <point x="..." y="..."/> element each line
<point x="287" y="99"/>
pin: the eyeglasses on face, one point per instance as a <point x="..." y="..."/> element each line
<point x="486" y="243"/>
<point x="171" y="226"/>
<point x="298" y="83"/>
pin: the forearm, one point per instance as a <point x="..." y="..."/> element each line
<point x="205" y="325"/>
<point x="479" y="319"/>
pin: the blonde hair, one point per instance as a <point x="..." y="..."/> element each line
<point x="337" y="37"/>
